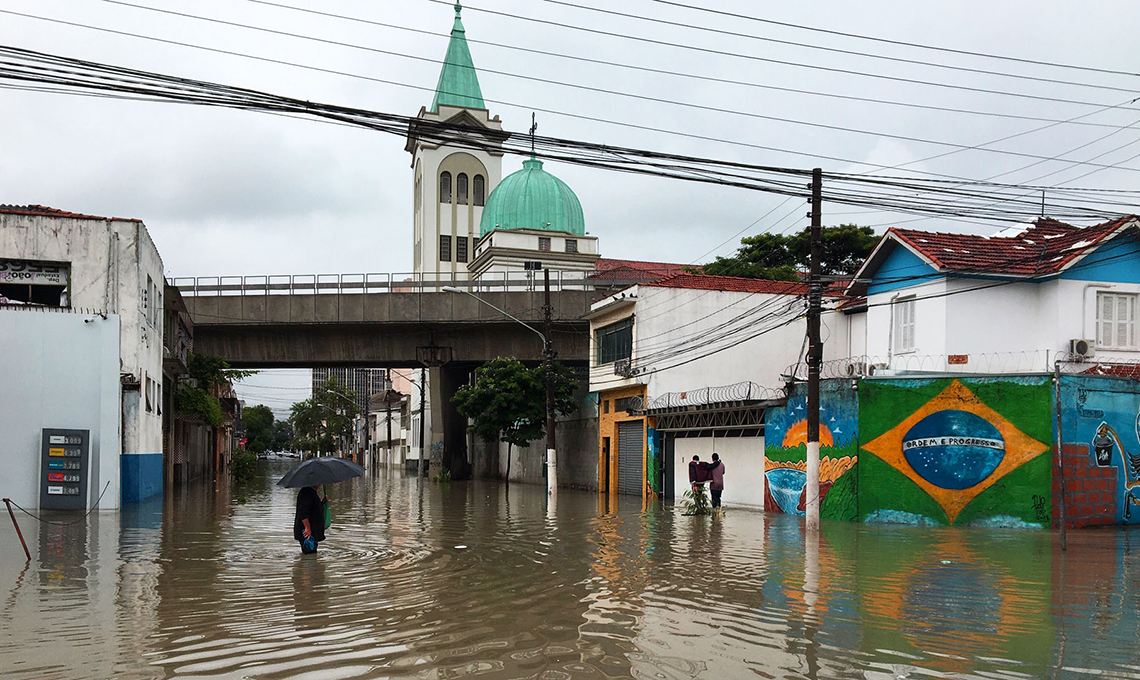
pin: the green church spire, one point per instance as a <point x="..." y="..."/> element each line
<point x="458" y="83"/>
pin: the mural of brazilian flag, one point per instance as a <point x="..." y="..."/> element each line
<point x="956" y="451"/>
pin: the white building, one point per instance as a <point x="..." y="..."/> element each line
<point x="1013" y="302"/>
<point x="685" y="366"/>
<point x="82" y="337"/>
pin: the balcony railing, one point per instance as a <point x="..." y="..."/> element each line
<point x="338" y="284"/>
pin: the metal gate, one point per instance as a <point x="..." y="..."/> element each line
<point x="631" y="453"/>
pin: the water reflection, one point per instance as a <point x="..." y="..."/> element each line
<point x="427" y="581"/>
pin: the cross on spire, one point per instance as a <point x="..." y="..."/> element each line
<point x="533" y="129"/>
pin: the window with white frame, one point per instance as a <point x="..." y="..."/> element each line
<point x="904" y="325"/>
<point x="1116" y="320"/>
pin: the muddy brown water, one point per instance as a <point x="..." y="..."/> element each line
<point x="475" y="579"/>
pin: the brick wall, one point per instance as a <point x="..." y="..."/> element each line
<point x="1090" y="491"/>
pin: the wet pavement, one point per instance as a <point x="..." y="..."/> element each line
<point x="419" y="580"/>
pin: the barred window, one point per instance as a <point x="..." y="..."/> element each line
<point x="544" y="243"/>
<point x="479" y="189"/>
<point x="461" y="189"/>
<point x="444" y="248"/>
<point x="614" y="341"/>
<point x="571" y="245"/>
<point x="460" y="248"/>
<point x="445" y="187"/>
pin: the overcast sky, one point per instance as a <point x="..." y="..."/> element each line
<point x="229" y="192"/>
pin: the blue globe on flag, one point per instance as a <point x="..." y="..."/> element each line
<point x="953" y="449"/>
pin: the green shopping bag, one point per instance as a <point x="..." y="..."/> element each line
<point x="328" y="514"/>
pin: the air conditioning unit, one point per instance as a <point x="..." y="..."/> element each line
<point x="855" y="368"/>
<point x="624" y="367"/>
<point x="1082" y="348"/>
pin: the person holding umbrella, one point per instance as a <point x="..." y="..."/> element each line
<point x="309" y="521"/>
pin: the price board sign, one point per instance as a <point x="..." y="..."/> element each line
<point x="64" y="475"/>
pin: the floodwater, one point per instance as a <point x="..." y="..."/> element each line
<point x="420" y="580"/>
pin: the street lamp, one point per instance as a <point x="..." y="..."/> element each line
<point x="548" y="364"/>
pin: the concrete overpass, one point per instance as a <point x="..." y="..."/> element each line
<point x="389" y="322"/>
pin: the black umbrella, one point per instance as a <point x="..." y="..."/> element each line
<point x="316" y="471"/>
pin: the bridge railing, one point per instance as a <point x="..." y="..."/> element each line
<point x="324" y="284"/>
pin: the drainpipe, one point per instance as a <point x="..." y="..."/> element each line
<point x="1060" y="452"/>
<point x="891" y="331"/>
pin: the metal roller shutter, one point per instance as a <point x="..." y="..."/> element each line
<point x="631" y="450"/>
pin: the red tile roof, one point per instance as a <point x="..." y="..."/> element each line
<point x="735" y="284"/>
<point x="635" y="270"/>
<point x="44" y="211"/>
<point x="1115" y="370"/>
<point x="1045" y="247"/>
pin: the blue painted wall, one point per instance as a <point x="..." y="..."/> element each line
<point x="899" y="270"/>
<point x="141" y="476"/>
<point x="1117" y="261"/>
<point x="1100" y="428"/>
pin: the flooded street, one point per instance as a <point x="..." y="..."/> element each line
<point x="470" y="579"/>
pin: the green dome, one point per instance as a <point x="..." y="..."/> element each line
<point x="533" y="199"/>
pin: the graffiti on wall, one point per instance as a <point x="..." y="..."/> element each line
<point x="953" y="451"/>
<point x="1103" y="414"/>
<point x="785" y="465"/>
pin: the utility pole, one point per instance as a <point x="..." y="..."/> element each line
<point x="815" y="353"/>
<point x="548" y="362"/>
<point x="423" y="388"/>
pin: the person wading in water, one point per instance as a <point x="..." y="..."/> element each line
<point x="309" y="522"/>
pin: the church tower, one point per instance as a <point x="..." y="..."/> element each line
<point x="453" y="178"/>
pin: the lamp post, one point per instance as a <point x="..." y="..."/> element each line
<point x="548" y="364"/>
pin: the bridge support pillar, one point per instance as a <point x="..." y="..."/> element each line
<point x="448" y="427"/>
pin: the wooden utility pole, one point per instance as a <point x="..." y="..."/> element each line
<point x="548" y="363"/>
<point x="815" y="353"/>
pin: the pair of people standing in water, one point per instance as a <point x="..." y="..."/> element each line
<point x="713" y="473"/>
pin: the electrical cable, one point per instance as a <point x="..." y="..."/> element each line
<point x="65" y="524"/>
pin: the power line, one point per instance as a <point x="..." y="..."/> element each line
<point x="888" y="41"/>
<point x="835" y="50"/>
<point x="607" y="91"/>
<point x="680" y="74"/>
<point x="28" y="66"/>
<point x="750" y="57"/>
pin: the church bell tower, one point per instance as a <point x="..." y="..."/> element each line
<point x="453" y="175"/>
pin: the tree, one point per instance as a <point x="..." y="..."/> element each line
<point x="774" y="256"/>
<point x="319" y="420"/>
<point x="258" y="421"/>
<point x="208" y="375"/>
<point x="508" y="401"/>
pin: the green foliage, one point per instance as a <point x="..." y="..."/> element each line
<point x="696" y="501"/>
<point x="258" y="422"/>
<point x="282" y="435"/>
<point x="443" y="476"/>
<point x="197" y="401"/>
<point x="244" y="465"/>
<point x="318" y="421"/>
<point x="211" y="371"/>
<point x="774" y="256"/>
<point x="508" y="400"/>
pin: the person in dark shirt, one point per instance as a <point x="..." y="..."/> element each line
<point x="309" y="522"/>
<point x="716" y="479"/>
<point x="696" y="474"/>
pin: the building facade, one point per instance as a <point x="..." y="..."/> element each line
<point x="1016" y="301"/>
<point x="107" y="271"/>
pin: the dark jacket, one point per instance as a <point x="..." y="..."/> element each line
<point x="698" y="472"/>
<point x="309" y="507"/>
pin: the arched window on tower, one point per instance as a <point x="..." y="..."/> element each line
<point x="461" y="188"/>
<point x="479" y="190"/>
<point x="445" y="187"/>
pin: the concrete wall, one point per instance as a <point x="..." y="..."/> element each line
<point x="60" y="370"/>
<point x="785" y="452"/>
<point x="1100" y="430"/>
<point x="115" y="268"/>
<point x="972" y="451"/>
<point x="743" y="459"/>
